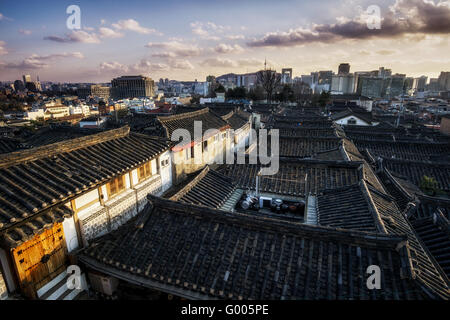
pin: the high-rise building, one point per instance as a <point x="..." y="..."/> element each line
<point x="100" y="91"/>
<point x="286" y="75"/>
<point x="325" y="77"/>
<point x="343" y="84"/>
<point x="408" y="85"/>
<point x="26" y="78"/>
<point x="132" y="87"/>
<point x="18" y="85"/>
<point x="395" y="86"/>
<point x="384" y="73"/>
<point x="370" y="87"/>
<point x="420" y="83"/>
<point x="344" y="68"/>
<point x="444" y="81"/>
<point x="308" y="79"/>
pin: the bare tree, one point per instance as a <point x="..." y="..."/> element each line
<point x="269" y="80"/>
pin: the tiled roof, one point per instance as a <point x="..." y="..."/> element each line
<point x="294" y="123"/>
<point x="397" y="224"/>
<point x="237" y="119"/>
<point x="186" y="121"/>
<point x="312" y="132"/>
<point x="209" y="188"/>
<point x="28" y="227"/>
<point x="302" y="147"/>
<point x="404" y="150"/>
<point x="290" y="178"/>
<point x="47" y="135"/>
<point x="365" y="116"/>
<point x="201" y="253"/>
<point x="9" y="145"/>
<point x="415" y="170"/>
<point x="434" y="232"/>
<point x="54" y="134"/>
<point x="31" y="181"/>
<point x="348" y="208"/>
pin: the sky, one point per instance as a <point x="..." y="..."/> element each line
<point x="188" y="40"/>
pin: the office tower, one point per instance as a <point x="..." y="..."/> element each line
<point x="344" y="68"/>
<point x="132" y="87"/>
<point x="26" y="78"/>
<point x="444" y="81"/>
<point x="286" y="75"/>
<point x="18" y="85"/>
<point x="343" y="84"/>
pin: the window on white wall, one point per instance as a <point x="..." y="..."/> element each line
<point x="351" y="121"/>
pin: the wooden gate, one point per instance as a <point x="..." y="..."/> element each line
<point x="40" y="259"/>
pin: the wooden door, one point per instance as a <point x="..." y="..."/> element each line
<point x="40" y="259"/>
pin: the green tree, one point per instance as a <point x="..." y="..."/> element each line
<point x="429" y="186"/>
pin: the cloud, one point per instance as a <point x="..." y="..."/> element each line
<point x="3" y="17"/>
<point x="114" y="66"/>
<point x="386" y="52"/>
<point x="219" y="62"/>
<point x="75" y="36"/>
<point x="147" y="66"/>
<point x="177" y="48"/>
<point x="25" y="32"/>
<point x="180" y="64"/>
<point x="132" y="25"/>
<point x="109" y="33"/>
<point x="143" y="66"/>
<point x="208" y="30"/>
<point x="2" y="48"/>
<point x="226" y="48"/>
<point x="228" y="63"/>
<point x="164" y="55"/>
<point x="404" y="17"/>
<point x="235" y="37"/>
<point x="41" y="61"/>
<point x="250" y="62"/>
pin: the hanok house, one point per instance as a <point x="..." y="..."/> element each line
<point x="59" y="197"/>
<point x="212" y="146"/>
<point x="241" y="122"/>
<point x="197" y="252"/>
<point x="354" y="205"/>
<point x="349" y="118"/>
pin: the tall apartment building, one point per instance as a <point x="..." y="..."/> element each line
<point x="26" y="78"/>
<point x="395" y="86"/>
<point x="101" y="92"/>
<point x="132" y="87"/>
<point x="444" y="81"/>
<point x="420" y="83"/>
<point x="286" y="75"/>
<point x="343" y="83"/>
<point x="325" y="77"/>
<point x="344" y="68"/>
<point x="370" y="87"/>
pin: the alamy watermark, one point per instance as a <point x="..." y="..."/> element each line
<point x="74" y="280"/>
<point x="374" y="280"/>
<point x="212" y="144"/>
<point x="73" y="22"/>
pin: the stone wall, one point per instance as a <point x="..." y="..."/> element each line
<point x="3" y="289"/>
<point x="118" y="210"/>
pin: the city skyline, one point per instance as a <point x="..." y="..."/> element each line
<point x="193" y="40"/>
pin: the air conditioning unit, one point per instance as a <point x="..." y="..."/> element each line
<point x="104" y="284"/>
